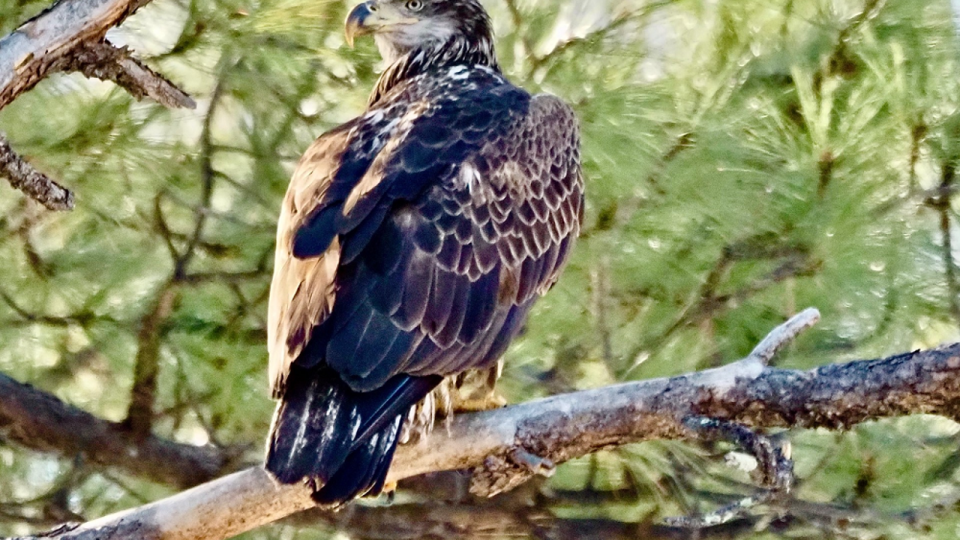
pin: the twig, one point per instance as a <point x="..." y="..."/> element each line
<point x="207" y="175"/>
<point x="757" y="361"/>
<point x="784" y="334"/>
<point x="707" y="302"/>
<point x="722" y="516"/>
<point x="32" y="182"/>
<point x="103" y="61"/>
<point x="774" y="470"/>
<point x="942" y="205"/>
<point x="27" y="318"/>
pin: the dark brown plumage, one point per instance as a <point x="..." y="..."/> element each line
<point x="412" y="242"/>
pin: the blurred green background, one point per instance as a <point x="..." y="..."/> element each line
<point x="745" y="159"/>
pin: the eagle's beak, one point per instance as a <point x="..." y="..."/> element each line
<point x="356" y="22"/>
<point x="371" y="16"/>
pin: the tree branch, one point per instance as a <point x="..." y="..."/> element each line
<point x="32" y="182"/>
<point x="101" y="60"/>
<point x="567" y="426"/>
<point x="40" y="421"/>
<point x="69" y="36"/>
<point x="147" y="364"/>
<point x="61" y="38"/>
<point x="942" y="205"/>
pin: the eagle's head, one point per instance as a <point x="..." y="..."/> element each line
<point x="403" y="26"/>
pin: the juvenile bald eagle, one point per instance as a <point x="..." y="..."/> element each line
<point x="412" y="242"/>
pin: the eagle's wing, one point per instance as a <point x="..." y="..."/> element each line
<point x="303" y="291"/>
<point x="420" y="235"/>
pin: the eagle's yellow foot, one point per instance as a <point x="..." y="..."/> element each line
<point x="488" y="402"/>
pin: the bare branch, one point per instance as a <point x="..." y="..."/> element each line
<point x="69" y="36"/>
<point x="40" y="421"/>
<point x="32" y="182"/>
<point x="207" y="174"/>
<point x="784" y="334"/>
<point x="50" y="41"/>
<point x="571" y="425"/>
<point x="103" y="61"/>
<point x="147" y="365"/>
<point x="942" y="205"/>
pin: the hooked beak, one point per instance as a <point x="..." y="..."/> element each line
<point x="356" y="22"/>
<point x="371" y="16"/>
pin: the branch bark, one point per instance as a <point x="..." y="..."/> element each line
<point x="40" y="421"/>
<point x="147" y="363"/>
<point x="101" y="60"/>
<point x="39" y="46"/>
<point x="563" y="427"/>
<point x="32" y="182"/>
<point x="69" y="36"/>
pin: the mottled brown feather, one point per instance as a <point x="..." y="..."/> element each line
<point x="526" y="204"/>
<point x="412" y="243"/>
<point x="302" y="291"/>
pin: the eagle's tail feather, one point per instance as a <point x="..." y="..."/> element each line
<point x="339" y="440"/>
<point x="365" y="468"/>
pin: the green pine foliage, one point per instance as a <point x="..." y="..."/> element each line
<point x="745" y="159"/>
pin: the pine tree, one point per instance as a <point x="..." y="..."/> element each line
<point x="745" y="159"/>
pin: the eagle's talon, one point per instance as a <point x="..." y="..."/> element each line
<point x="488" y="402"/>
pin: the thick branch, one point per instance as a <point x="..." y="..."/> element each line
<point x="40" y="421"/>
<point x="36" y="49"/>
<point x="571" y="425"/>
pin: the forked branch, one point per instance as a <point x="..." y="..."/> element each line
<point x="69" y="36"/>
<point x="563" y="427"/>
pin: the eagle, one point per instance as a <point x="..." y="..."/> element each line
<point x="412" y="242"/>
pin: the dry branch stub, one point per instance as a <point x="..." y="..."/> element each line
<point x="32" y="182"/>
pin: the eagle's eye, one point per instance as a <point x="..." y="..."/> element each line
<point x="414" y="5"/>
